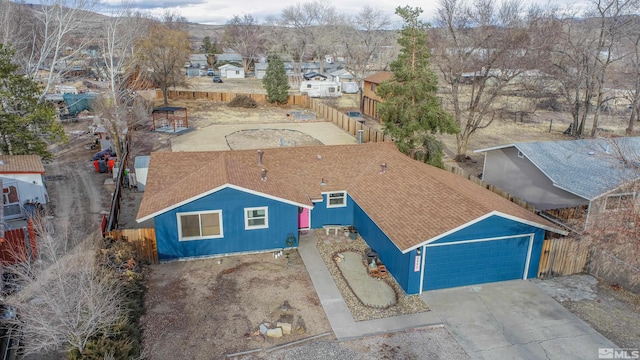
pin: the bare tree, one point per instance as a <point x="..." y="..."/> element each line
<point x="66" y="297"/>
<point x="313" y="25"/>
<point x="55" y="38"/>
<point x="244" y="35"/>
<point x="164" y="51"/>
<point x="365" y="40"/>
<point x="121" y="31"/>
<point x="584" y="51"/>
<point x="480" y="48"/>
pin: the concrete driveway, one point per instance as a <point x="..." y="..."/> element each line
<point x="513" y="320"/>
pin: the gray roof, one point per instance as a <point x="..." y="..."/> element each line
<point x="231" y="57"/>
<point x="588" y="168"/>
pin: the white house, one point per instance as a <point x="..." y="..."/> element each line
<point x="231" y="71"/>
<point x="22" y="183"/>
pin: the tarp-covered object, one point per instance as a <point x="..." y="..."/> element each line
<point x="78" y="102"/>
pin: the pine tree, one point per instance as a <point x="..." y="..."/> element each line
<point x="276" y="81"/>
<point x="24" y="123"/>
<point x="411" y="111"/>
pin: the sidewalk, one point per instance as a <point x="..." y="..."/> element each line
<point x="342" y="323"/>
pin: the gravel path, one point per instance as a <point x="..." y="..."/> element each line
<point x="432" y="343"/>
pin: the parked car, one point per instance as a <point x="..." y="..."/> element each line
<point x="217" y="79"/>
<point x="356" y="115"/>
<point x="210" y="72"/>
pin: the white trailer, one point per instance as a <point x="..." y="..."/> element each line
<point x="316" y="88"/>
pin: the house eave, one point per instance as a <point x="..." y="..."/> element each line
<point x="214" y="190"/>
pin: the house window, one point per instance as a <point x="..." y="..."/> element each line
<point x="332" y="89"/>
<point x="619" y="201"/>
<point x="200" y="225"/>
<point x="308" y="86"/>
<point x="10" y="195"/>
<point x="337" y="199"/>
<point x="256" y="218"/>
<point x="237" y="72"/>
<point x="373" y="87"/>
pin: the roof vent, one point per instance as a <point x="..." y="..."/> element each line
<point x="319" y="157"/>
<point x="383" y="168"/>
<point x="591" y="153"/>
<point x="260" y="153"/>
<point x="263" y="174"/>
<point x="322" y="183"/>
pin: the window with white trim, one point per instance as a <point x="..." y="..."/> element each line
<point x="619" y="201"/>
<point x="199" y="225"/>
<point x="256" y="218"/>
<point x="337" y="199"/>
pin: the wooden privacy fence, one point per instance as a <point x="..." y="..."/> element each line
<point x="347" y="123"/>
<point x="563" y="256"/>
<point x="299" y="100"/>
<point x="143" y="241"/>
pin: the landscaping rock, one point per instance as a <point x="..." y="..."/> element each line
<point x="263" y="329"/>
<point x="274" y="333"/>
<point x="286" y="328"/>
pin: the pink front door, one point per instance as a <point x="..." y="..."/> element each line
<point x="303" y="218"/>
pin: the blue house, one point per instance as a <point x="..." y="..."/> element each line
<point x="431" y="228"/>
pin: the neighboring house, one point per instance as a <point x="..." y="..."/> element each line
<point x="315" y="76"/>
<point x="198" y="61"/>
<point x="231" y="71"/>
<point x="592" y="176"/>
<point x="260" y="70"/>
<point x="22" y="184"/>
<point x="341" y="76"/>
<point x="229" y="58"/>
<point x="369" y="97"/>
<point x="431" y="228"/>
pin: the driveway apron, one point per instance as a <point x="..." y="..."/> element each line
<point x="513" y="320"/>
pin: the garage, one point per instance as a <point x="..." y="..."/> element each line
<point x="476" y="261"/>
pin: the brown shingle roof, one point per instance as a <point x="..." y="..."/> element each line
<point x="29" y="164"/>
<point x="379" y="77"/>
<point x="411" y="202"/>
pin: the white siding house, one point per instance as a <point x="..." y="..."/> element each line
<point x="231" y="71"/>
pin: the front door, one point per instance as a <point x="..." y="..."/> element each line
<point x="304" y="219"/>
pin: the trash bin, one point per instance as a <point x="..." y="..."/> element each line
<point x="371" y="255"/>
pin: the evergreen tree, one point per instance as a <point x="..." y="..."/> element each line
<point x="208" y="47"/>
<point x="24" y="123"/>
<point x="276" y="81"/>
<point x="411" y="111"/>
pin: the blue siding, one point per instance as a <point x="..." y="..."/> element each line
<point x="321" y="215"/>
<point x="399" y="265"/>
<point x="283" y="220"/>
<point x="474" y="263"/>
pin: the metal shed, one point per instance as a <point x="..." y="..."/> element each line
<point x="141" y="166"/>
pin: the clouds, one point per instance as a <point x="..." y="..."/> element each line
<point x="218" y="12"/>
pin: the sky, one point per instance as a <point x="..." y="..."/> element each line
<point x="218" y="12"/>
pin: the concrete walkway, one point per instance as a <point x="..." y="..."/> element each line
<point x="513" y="320"/>
<point x="343" y="325"/>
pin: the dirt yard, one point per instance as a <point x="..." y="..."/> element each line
<point x="204" y="309"/>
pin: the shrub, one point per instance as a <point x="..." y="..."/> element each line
<point x="124" y="339"/>
<point x="243" y="101"/>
